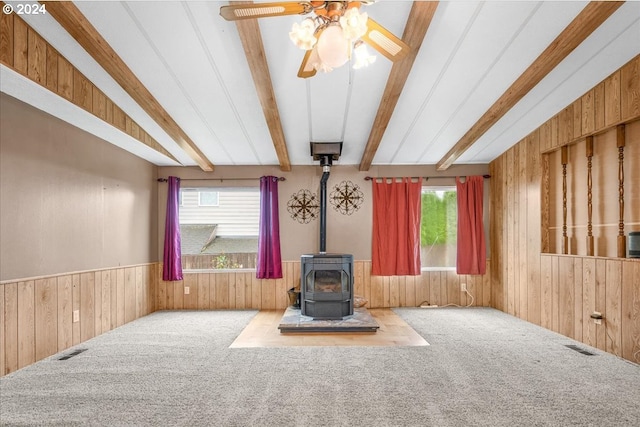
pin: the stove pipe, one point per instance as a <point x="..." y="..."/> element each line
<point x="325" y="161"/>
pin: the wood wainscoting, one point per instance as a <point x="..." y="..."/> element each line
<point x="37" y="318"/>
<point x="229" y="289"/>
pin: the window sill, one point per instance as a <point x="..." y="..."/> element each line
<point x="438" y="269"/>
<point x="220" y="270"/>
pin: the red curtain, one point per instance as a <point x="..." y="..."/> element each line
<point x="269" y="257"/>
<point x="172" y="258"/>
<point x="472" y="254"/>
<point x="396" y="228"/>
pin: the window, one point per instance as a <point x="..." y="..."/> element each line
<point x="219" y="228"/>
<point x="208" y="198"/>
<point x="439" y="227"/>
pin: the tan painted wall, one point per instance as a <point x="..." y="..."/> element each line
<point x="345" y="233"/>
<point x="69" y="201"/>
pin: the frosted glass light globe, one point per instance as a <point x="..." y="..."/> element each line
<point x="333" y="48"/>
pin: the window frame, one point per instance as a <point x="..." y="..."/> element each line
<point x="205" y="211"/>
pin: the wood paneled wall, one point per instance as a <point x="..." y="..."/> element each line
<point x="560" y="292"/>
<point x="605" y="194"/>
<point x="24" y="51"/>
<point x="241" y="290"/>
<point x="37" y="314"/>
<point x="573" y="287"/>
<point x="515" y="238"/>
<point x="613" y="101"/>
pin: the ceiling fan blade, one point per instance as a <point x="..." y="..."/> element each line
<point x="384" y="41"/>
<point x="236" y="12"/>
<point x="306" y="68"/>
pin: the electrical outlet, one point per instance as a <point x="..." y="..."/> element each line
<point x="597" y="317"/>
<point x="186" y="290"/>
<point x="463" y="287"/>
<point x="76" y="316"/>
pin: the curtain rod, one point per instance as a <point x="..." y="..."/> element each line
<point x="426" y="178"/>
<point x="280" y="178"/>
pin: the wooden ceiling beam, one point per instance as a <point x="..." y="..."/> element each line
<point x="249" y="31"/>
<point x="591" y="17"/>
<point x="414" y="31"/>
<point x="79" y="27"/>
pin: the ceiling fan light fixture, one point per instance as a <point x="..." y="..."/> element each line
<point x="330" y="36"/>
<point x="354" y="24"/>
<point x="362" y="56"/>
<point x="333" y="48"/>
<point x="303" y="34"/>
<point x="317" y="64"/>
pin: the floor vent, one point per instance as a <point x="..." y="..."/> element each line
<point x="580" y="350"/>
<point x="73" y="353"/>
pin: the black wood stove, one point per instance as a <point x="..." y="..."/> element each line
<point x="326" y="280"/>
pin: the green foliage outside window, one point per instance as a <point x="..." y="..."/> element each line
<point x="438" y="230"/>
<point x="439" y="212"/>
<point x="223" y="261"/>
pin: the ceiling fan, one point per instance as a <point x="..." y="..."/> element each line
<point x="333" y="31"/>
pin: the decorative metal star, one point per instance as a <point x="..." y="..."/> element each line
<point x="303" y="206"/>
<point x="346" y="197"/>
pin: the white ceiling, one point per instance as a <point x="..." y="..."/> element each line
<point x="193" y="63"/>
